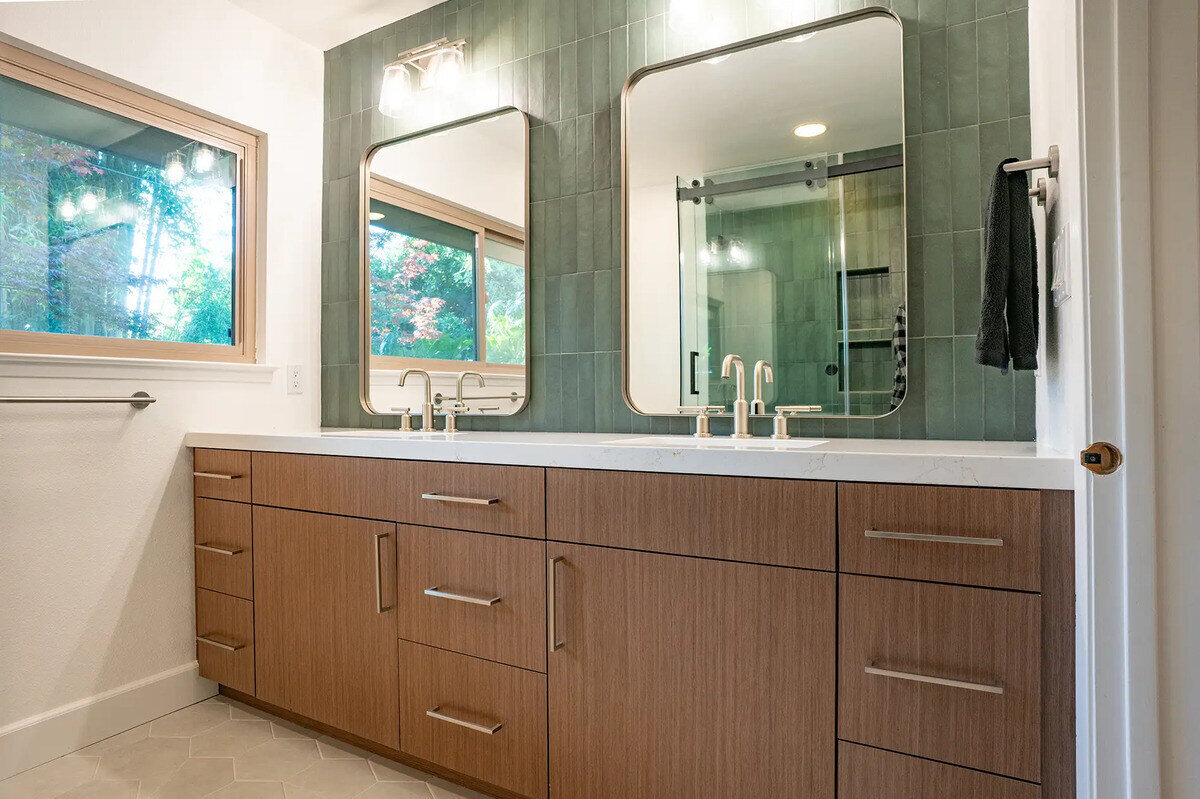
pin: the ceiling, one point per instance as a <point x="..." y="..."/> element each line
<point x="328" y="23"/>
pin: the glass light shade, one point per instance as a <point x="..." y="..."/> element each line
<point x="67" y="210"/>
<point x="397" y="85"/>
<point x="88" y="202"/>
<point x="175" y="170"/>
<point x="447" y="67"/>
<point x="203" y="159"/>
<point x="686" y="16"/>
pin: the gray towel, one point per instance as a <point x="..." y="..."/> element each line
<point x="1008" y="324"/>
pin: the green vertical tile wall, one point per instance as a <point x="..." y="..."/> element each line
<point x="563" y="62"/>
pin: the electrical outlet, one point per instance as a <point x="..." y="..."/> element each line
<point x="295" y="380"/>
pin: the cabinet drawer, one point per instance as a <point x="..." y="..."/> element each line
<point x="224" y="560"/>
<point x="865" y="773"/>
<point x="325" y="484"/>
<point x="976" y="536"/>
<point x="479" y="718"/>
<point x="943" y="672"/>
<point x="225" y="639"/>
<point x="483" y="595"/>
<point x="467" y="496"/>
<point x="221" y="474"/>
<point x="779" y="522"/>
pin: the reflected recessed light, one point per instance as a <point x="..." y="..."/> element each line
<point x="810" y="129"/>
<point x="376" y="215"/>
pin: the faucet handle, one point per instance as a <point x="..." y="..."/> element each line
<point x="701" y="413"/>
<point x="405" y="418"/>
<point x="782" y="412"/>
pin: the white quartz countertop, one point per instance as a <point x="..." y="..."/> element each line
<point x="964" y="463"/>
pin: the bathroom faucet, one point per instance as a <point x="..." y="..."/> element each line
<point x="427" y="425"/>
<point x="741" y="408"/>
<point x="761" y="369"/>
<point x="458" y="406"/>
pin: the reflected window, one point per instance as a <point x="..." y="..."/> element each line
<point x="446" y="284"/>
<point x="117" y="236"/>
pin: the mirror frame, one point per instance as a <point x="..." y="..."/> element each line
<point x="364" y="261"/>
<point x="746" y="44"/>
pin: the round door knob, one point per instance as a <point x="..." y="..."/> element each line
<point x="1101" y="458"/>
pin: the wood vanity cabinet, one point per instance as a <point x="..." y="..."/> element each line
<point x="325" y="620"/>
<point x="579" y="634"/>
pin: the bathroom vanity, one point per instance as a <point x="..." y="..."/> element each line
<point x="589" y="616"/>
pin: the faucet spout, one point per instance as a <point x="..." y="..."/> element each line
<point x="458" y="395"/>
<point x="741" y="408"/>
<point x="427" y="425"/>
<point x="762" y="369"/>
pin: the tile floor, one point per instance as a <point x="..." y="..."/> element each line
<point x="221" y="749"/>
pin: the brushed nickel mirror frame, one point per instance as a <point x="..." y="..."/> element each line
<point x="364" y="262"/>
<point x="746" y="44"/>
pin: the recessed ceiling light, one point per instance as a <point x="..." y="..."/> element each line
<point x="810" y="129"/>
<point x="376" y="215"/>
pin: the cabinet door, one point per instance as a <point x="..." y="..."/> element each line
<point x="325" y="619"/>
<point x="678" y="677"/>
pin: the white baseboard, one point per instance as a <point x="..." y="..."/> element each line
<point x="38" y="739"/>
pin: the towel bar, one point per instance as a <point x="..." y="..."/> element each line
<point x="1050" y="162"/>
<point x="139" y="400"/>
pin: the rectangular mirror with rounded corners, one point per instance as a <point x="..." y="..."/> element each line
<point x="443" y="280"/>
<point x="764" y="217"/>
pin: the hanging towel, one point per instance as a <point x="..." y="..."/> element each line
<point x="900" y="354"/>
<point x="1008" y="325"/>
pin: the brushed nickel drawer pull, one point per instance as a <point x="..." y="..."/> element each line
<point x="379" y="606"/>
<point x="220" y="550"/>
<point x="554" y="642"/>
<point x="436" y="591"/>
<point x="937" y="539"/>
<point x="906" y="675"/>
<point x="217" y="475"/>
<point x="204" y="639"/>
<point x="437" y="713"/>
<point x="461" y="500"/>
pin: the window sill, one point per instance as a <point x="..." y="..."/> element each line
<point x="91" y="367"/>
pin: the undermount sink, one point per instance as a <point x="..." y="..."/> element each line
<point x="720" y="442"/>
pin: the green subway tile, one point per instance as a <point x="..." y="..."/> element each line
<point x="993" y="68"/>
<point x="585" y="398"/>
<point x="938" y="260"/>
<point x="912" y="84"/>
<point x="913" y="176"/>
<point x="604" y="335"/>
<point x="939" y="388"/>
<point x="964" y="178"/>
<point x="568" y="20"/>
<point x="618" y="60"/>
<point x="958" y="11"/>
<point x="585" y="232"/>
<point x="935" y="98"/>
<point x="584" y="61"/>
<point x="1024" y="413"/>
<point x="994" y="147"/>
<point x="932" y="14"/>
<point x="637" y="45"/>
<point x="537" y="315"/>
<point x="550" y="102"/>
<point x="963" y="68"/>
<point x="988" y="8"/>
<point x="935" y="183"/>
<point x="602" y="140"/>
<point x="998" y="403"/>
<point x="601" y="96"/>
<point x="568" y="81"/>
<point x="1019" y="133"/>
<point x="656" y="39"/>
<point x="911" y="415"/>
<point x="567" y="161"/>
<point x="968" y="391"/>
<point x="916" y="286"/>
<point x="568" y="226"/>
<point x="602" y="236"/>
<point x="968" y="281"/>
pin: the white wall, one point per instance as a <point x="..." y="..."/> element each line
<point x="1175" y="203"/>
<point x="96" y="567"/>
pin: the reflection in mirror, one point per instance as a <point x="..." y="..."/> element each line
<point x="764" y="202"/>
<point x="444" y="269"/>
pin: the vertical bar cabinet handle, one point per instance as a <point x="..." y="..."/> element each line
<point x="552" y="603"/>
<point x="379" y="574"/>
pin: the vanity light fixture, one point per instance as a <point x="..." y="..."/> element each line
<point x="175" y="170"/>
<point x="810" y="130"/>
<point x="439" y="64"/>
<point x="203" y="159"/>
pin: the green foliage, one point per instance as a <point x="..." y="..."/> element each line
<point x="505" y="312"/>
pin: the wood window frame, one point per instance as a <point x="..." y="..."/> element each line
<point x="408" y="198"/>
<point x="108" y="94"/>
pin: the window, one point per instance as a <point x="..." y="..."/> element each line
<point x="447" y="284"/>
<point x="127" y="225"/>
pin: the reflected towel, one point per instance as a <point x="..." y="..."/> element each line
<point x="900" y="354"/>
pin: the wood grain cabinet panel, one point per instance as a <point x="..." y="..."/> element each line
<point x="486" y="594"/>
<point x="325" y="620"/>
<point x="684" y="678"/>
<point x="781" y="522"/>
<point x="225" y="639"/>
<point x="866" y="773"/>
<point x="221" y="474"/>
<point x="224" y="552"/>
<point x="470" y="496"/>
<point x="974" y="536"/>
<point x="900" y="641"/>
<point x="478" y="718"/>
<point x="325" y="484"/>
